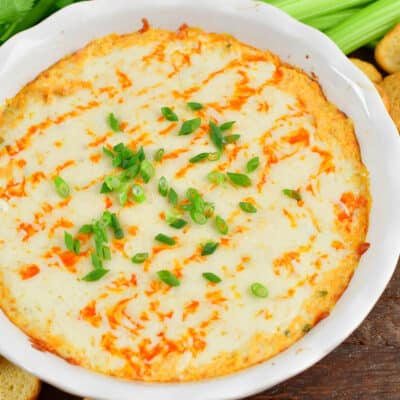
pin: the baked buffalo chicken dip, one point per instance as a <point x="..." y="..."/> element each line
<point x="175" y="205"/>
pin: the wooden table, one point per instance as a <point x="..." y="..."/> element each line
<point x="365" y="367"/>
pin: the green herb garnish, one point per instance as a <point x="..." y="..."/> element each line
<point x="293" y="194"/>
<point x="221" y="225"/>
<point x="163" y="186"/>
<point x="118" y="232"/>
<point x="95" y="275"/>
<point x="178" y="223"/>
<point x="226" y="125"/>
<point x="62" y="187"/>
<point x="168" y="114"/>
<point x="259" y="290"/>
<point x="231" y="138"/>
<point x="113" y="122"/>
<point x="73" y="245"/>
<point x="247" y="207"/>
<point x="194" y="106"/>
<point x="168" y="277"/>
<point x="209" y="248"/>
<point x="216" y="177"/>
<point x="211" y="277"/>
<point x="147" y="171"/>
<point x="252" y="164"/>
<point x="138" y="193"/>
<point x="112" y="182"/>
<point x="172" y="197"/>
<point x="159" y="155"/>
<point x="216" y="136"/>
<point x="200" y="157"/>
<point x="189" y="126"/>
<point x="87" y="228"/>
<point x="239" y="179"/>
<point x="170" y="241"/>
<point x="140" y="258"/>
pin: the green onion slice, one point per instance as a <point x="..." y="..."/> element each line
<point x="211" y="277"/>
<point x="62" y="187"/>
<point x="259" y="290"/>
<point x="168" y="114"/>
<point x="189" y="126"/>
<point x="138" y="193"/>
<point x="140" y="258"/>
<point x="170" y="241"/>
<point x="200" y="157"/>
<point x="252" y="164"/>
<point x="226" y="125"/>
<point x="95" y="275"/>
<point x="194" y="106"/>
<point x="247" y="207"/>
<point x="168" y="277"/>
<point x="118" y="232"/>
<point x="231" y="138"/>
<point x="172" y="197"/>
<point x="87" y="228"/>
<point x="159" y="154"/>
<point x="163" y="186"/>
<point x="239" y="179"/>
<point x="73" y="245"/>
<point x="113" y="122"/>
<point x="293" y="194"/>
<point x="216" y="177"/>
<point x="147" y="171"/>
<point x="96" y="261"/>
<point x="221" y="225"/>
<point x="216" y="136"/>
<point x="209" y="248"/>
<point x="178" y="223"/>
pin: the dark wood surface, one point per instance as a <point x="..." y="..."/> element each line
<point x="365" y="367"/>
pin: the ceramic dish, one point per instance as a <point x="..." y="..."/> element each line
<point x="262" y="26"/>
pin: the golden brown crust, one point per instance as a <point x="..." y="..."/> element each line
<point x="332" y="127"/>
<point x="387" y="51"/>
<point x="391" y="85"/>
<point x="369" y="69"/>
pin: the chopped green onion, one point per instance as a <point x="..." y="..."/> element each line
<point x="307" y="328"/>
<point x="293" y="194"/>
<point x="138" y="193"/>
<point x="198" y="217"/>
<point x="96" y="261"/>
<point x="118" y="232"/>
<point x="252" y="164"/>
<point x="163" y="186"/>
<point x="172" y="197"/>
<point x="95" y="275"/>
<point x="168" y="277"/>
<point x="112" y="182"/>
<point x="146" y="170"/>
<point x="209" y="248"/>
<point x="209" y="209"/>
<point x="73" y="245"/>
<point x="159" y="154"/>
<point x="108" y="152"/>
<point x="216" y="177"/>
<point x="221" y="225"/>
<point x="114" y="123"/>
<point x="123" y="194"/>
<point x="226" y="125"/>
<point x="199" y="157"/>
<point x="106" y="253"/>
<point x="368" y="24"/>
<point x="178" y="223"/>
<point x="87" y="228"/>
<point x="168" y="114"/>
<point x="211" y="277"/>
<point x="231" y="138"/>
<point x="140" y="154"/>
<point x="247" y="207"/>
<point x="104" y="188"/>
<point x="216" y="136"/>
<point x="170" y="241"/>
<point x="214" y="156"/>
<point x="259" y="290"/>
<point x="194" y="106"/>
<point x="239" y="179"/>
<point x="189" y="126"/>
<point x="106" y="219"/>
<point x="62" y="187"/>
<point x="140" y="258"/>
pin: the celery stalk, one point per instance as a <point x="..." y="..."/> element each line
<point x="302" y="9"/>
<point x="324" y="22"/>
<point x="366" y="25"/>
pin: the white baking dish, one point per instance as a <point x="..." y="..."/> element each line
<point x="24" y="56"/>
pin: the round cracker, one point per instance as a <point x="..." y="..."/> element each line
<point x="384" y="96"/>
<point x="373" y="74"/>
<point x="391" y="85"/>
<point x="387" y="51"/>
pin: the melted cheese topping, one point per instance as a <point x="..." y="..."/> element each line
<point x="129" y="323"/>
